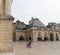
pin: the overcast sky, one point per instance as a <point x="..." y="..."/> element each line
<point x="45" y="10"/>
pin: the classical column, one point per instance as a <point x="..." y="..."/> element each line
<point x="2" y="7"/>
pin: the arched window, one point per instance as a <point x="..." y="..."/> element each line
<point x="57" y="37"/>
<point x="39" y="34"/>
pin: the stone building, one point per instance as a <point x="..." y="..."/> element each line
<point x="36" y="31"/>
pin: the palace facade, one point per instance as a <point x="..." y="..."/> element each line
<point x="36" y="31"/>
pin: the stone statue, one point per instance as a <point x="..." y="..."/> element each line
<point x="5" y="6"/>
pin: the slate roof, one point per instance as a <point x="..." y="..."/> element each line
<point x="36" y="23"/>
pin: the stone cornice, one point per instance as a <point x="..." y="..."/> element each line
<point x="6" y="17"/>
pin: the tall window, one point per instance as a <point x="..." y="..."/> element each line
<point x="45" y="35"/>
<point x="57" y="37"/>
<point x="39" y="34"/>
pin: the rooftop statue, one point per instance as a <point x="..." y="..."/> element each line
<point x="5" y="6"/>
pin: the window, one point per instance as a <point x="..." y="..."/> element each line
<point x="45" y="35"/>
<point x="39" y="34"/>
<point x="57" y="37"/>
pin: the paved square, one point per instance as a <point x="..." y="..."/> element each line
<point x="38" y="48"/>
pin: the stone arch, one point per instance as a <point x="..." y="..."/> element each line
<point x="51" y="37"/>
<point x="21" y="38"/>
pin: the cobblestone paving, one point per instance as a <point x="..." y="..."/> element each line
<point x="38" y="48"/>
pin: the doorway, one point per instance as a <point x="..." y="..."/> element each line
<point x="30" y="38"/>
<point x="45" y="38"/>
<point x="51" y="37"/>
<point x="21" y="38"/>
<point x="39" y="38"/>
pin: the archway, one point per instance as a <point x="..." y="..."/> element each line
<point x="45" y="38"/>
<point x="30" y="38"/>
<point x="39" y="38"/>
<point x="51" y="37"/>
<point x="21" y="38"/>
